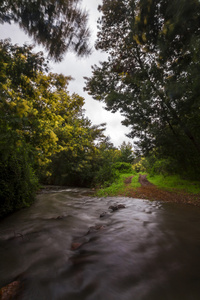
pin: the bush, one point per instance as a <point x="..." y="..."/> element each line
<point x="153" y="165"/>
<point x="106" y="175"/>
<point x="18" y="183"/>
<point x="123" y="167"/>
<point x="141" y="165"/>
<point x="163" y="166"/>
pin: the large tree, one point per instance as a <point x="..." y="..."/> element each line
<point x="34" y="104"/>
<point x="58" y="25"/>
<point x="38" y="119"/>
<point x="44" y="133"/>
<point x="152" y="72"/>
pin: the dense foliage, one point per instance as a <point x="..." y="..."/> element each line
<point x="34" y="107"/>
<point x="18" y="181"/>
<point x="152" y="75"/>
<point x="44" y="134"/>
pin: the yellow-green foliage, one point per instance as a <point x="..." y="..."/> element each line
<point x="43" y="130"/>
<point x="140" y="167"/>
<point x="40" y="111"/>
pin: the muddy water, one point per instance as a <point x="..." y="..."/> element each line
<point x="146" y="251"/>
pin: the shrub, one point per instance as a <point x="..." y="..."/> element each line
<point x="123" y="167"/>
<point x="106" y="175"/>
<point x="18" y="183"/>
<point x="140" y="166"/>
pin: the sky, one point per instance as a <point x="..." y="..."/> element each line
<point x="78" y="68"/>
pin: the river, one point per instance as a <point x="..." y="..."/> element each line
<point x="60" y="248"/>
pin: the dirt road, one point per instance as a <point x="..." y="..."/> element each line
<point x="151" y="192"/>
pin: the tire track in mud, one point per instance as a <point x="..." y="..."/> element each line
<point x="151" y="192"/>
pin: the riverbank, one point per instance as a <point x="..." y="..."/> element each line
<point x="144" y="189"/>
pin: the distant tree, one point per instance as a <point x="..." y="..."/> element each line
<point x="106" y="156"/>
<point x="127" y="154"/>
<point x="77" y="163"/>
<point x="152" y="73"/>
<point x="58" y="25"/>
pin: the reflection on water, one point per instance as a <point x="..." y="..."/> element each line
<point x="147" y="251"/>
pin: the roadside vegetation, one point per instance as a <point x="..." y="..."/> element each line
<point x="127" y="184"/>
<point x="119" y="187"/>
<point x="164" y="174"/>
<point x="151" y="76"/>
<point x="175" y="183"/>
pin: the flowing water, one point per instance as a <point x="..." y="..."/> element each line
<point x="60" y="248"/>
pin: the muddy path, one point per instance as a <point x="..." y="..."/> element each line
<point x="151" y="192"/>
<point x="128" y="180"/>
<point x="144" y="182"/>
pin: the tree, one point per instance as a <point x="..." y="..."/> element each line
<point x="34" y="104"/>
<point x="106" y="156"/>
<point x="37" y="120"/>
<point x="127" y="154"/>
<point x="57" y="25"/>
<point x="152" y="73"/>
<point x="44" y="134"/>
<point x="76" y="164"/>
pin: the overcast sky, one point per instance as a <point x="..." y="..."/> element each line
<point x="78" y="68"/>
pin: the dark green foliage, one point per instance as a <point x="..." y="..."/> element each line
<point x="43" y="128"/>
<point x="77" y="164"/>
<point x="106" y="175"/>
<point x="38" y="119"/>
<point x="123" y="167"/>
<point x="92" y="166"/>
<point x="67" y="170"/>
<point x="18" y="183"/>
<point x="153" y="165"/>
<point x="59" y="25"/>
<point x="152" y="75"/>
<point x="164" y="167"/>
<point x="104" y="171"/>
<point x="126" y="153"/>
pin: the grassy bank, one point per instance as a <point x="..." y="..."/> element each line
<point x="119" y="187"/>
<point x="169" y="183"/>
<point x="175" y="183"/>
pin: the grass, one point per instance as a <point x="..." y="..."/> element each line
<point x="175" y="183"/>
<point x="171" y="183"/>
<point x="119" y="187"/>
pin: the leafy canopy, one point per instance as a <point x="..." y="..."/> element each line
<point x="58" y="25"/>
<point x="35" y="105"/>
<point x="152" y="73"/>
<point x="43" y="131"/>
